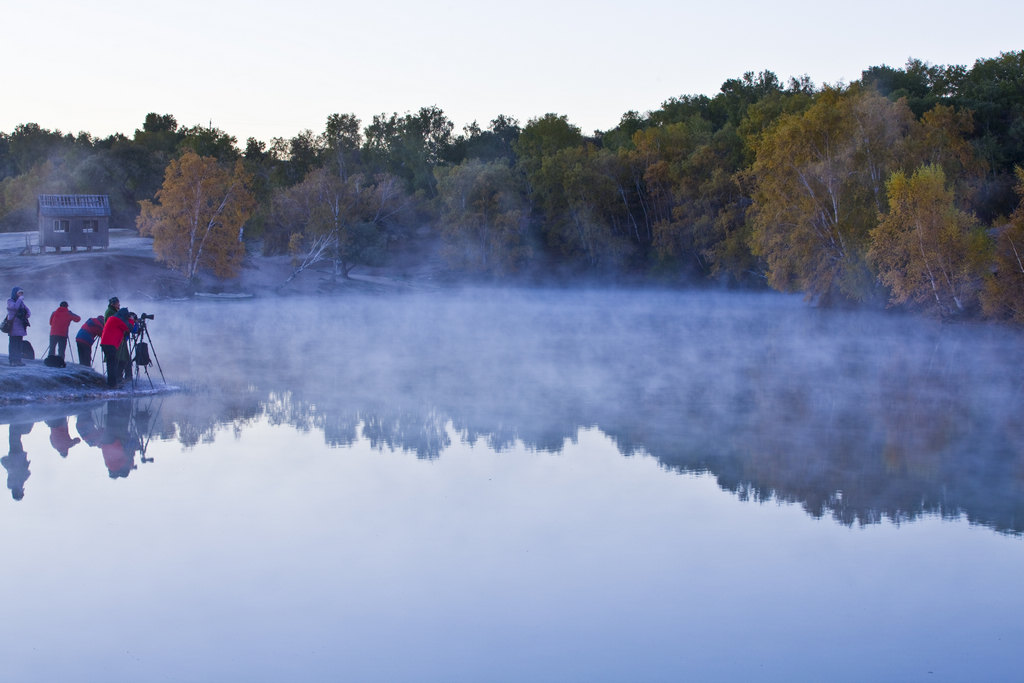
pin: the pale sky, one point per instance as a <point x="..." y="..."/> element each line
<point x="266" y="70"/>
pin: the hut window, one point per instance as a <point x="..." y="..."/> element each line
<point x="90" y="225"/>
<point x="61" y="226"/>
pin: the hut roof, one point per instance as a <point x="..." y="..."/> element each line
<point x="74" y="205"/>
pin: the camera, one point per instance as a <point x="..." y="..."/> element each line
<point x="146" y="316"/>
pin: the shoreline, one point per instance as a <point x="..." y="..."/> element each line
<point x="37" y="389"/>
<point x="129" y="268"/>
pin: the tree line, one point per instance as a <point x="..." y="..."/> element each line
<point x="902" y="188"/>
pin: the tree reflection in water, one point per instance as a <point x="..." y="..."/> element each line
<point x="860" y="417"/>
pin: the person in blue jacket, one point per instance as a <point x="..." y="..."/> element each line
<point x="86" y="337"/>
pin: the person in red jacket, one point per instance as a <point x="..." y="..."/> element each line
<point x="115" y="329"/>
<point x="117" y="443"/>
<point x="60" y="321"/>
<point x="60" y="436"/>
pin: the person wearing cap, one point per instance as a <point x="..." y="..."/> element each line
<point x="18" y="313"/>
<point x="113" y="306"/>
<point x="115" y="330"/>
<point x="91" y="328"/>
<point x="60" y="321"/>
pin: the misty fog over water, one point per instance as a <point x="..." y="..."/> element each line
<point x="532" y="485"/>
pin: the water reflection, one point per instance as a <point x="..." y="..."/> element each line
<point x="855" y="467"/>
<point x="120" y="430"/>
<point x="857" y="417"/>
<point x="16" y="461"/>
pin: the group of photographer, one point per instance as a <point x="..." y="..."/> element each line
<point x="114" y="329"/>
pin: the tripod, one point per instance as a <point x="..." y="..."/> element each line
<point x="140" y="353"/>
<point x="140" y="426"/>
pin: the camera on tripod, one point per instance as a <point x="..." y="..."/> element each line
<point x="141" y="346"/>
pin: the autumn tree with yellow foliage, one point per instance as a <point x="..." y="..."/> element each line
<point x="927" y="251"/>
<point x="198" y="218"/>
<point x="818" y="183"/>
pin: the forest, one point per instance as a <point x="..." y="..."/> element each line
<point x="904" y="188"/>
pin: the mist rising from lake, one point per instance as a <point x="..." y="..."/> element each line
<point x="532" y="485"/>
<point x="774" y="397"/>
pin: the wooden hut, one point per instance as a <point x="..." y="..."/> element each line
<point x="74" y="220"/>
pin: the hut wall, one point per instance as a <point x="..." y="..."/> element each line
<point x="73" y="231"/>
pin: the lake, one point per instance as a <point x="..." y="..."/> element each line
<point x="526" y="486"/>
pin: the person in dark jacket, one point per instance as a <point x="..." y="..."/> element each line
<point x="18" y="313"/>
<point x="86" y="337"/>
<point x="113" y="306"/>
<point x="124" y="356"/>
<point x="16" y="462"/>
<point x="60" y="321"/>
<point x="85" y="423"/>
<point x="115" y="330"/>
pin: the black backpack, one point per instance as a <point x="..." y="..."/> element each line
<point x="142" y="354"/>
<point x="54" y="362"/>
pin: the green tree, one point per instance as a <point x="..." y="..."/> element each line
<point x="543" y="137"/>
<point x="574" y="187"/>
<point x="1003" y="297"/>
<point x="737" y="94"/>
<point x="584" y="222"/>
<point x="30" y="144"/>
<point x="484" y="218"/>
<point x="209" y="141"/>
<point x="338" y="221"/>
<point x="706" y="232"/>
<point x="343" y="140"/>
<point x="676" y="109"/>
<point x="993" y="91"/>
<point x="410" y="146"/>
<point x="159" y="134"/>
<point x="622" y="135"/>
<point x="496" y="142"/>
<point x="922" y="85"/>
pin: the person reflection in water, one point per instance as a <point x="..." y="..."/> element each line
<point x="116" y="442"/>
<point x="87" y="429"/>
<point x="16" y="461"/>
<point x="60" y="438"/>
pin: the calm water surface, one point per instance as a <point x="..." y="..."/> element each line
<point x="556" y="486"/>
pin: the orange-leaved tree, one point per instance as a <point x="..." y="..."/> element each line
<point x="198" y="218"/>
